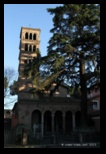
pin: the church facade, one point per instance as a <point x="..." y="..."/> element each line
<point x="58" y="114"/>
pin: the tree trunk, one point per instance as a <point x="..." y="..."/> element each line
<point x="83" y="95"/>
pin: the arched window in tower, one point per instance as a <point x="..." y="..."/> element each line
<point x="34" y="36"/>
<point x="25" y="61"/>
<point x="34" y="48"/>
<point x="30" y="48"/>
<point x="26" y="47"/>
<point x="30" y="36"/>
<point x="26" y="35"/>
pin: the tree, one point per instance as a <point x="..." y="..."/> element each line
<point x="76" y="37"/>
<point x="9" y="77"/>
<point x="72" y="52"/>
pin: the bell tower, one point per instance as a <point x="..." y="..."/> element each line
<point x="29" y="47"/>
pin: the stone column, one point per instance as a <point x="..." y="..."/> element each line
<point x="34" y="129"/>
<point x="63" y="122"/>
<point x="73" y="120"/>
<point x="52" y="123"/>
<point x="42" y="124"/>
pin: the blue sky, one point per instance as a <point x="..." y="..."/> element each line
<point x="26" y="15"/>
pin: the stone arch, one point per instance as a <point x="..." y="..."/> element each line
<point x="58" y="122"/>
<point x="78" y="119"/>
<point x="34" y="36"/>
<point x="36" y="118"/>
<point x="47" y="122"/>
<point x="30" y="36"/>
<point x="34" y="48"/>
<point x="26" y="47"/>
<point x="68" y="122"/>
<point x="26" y="35"/>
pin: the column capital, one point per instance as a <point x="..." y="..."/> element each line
<point x="42" y="112"/>
<point x="53" y="113"/>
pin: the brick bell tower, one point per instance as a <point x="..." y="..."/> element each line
<point x="29" y="45"/>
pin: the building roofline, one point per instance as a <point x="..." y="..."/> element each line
<point x="30" y="28"/>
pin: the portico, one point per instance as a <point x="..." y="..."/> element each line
<point x="56" y="118"/>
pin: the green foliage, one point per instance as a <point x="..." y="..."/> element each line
<point x="76" y="29"/>
<point x="58" y="62"/>
<point x="38" y="52"/>
<point x="14" y="87"/>
<point x="75" y="41"/>
<point x="78" y="41"/>
<point x="71" y="91"/>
